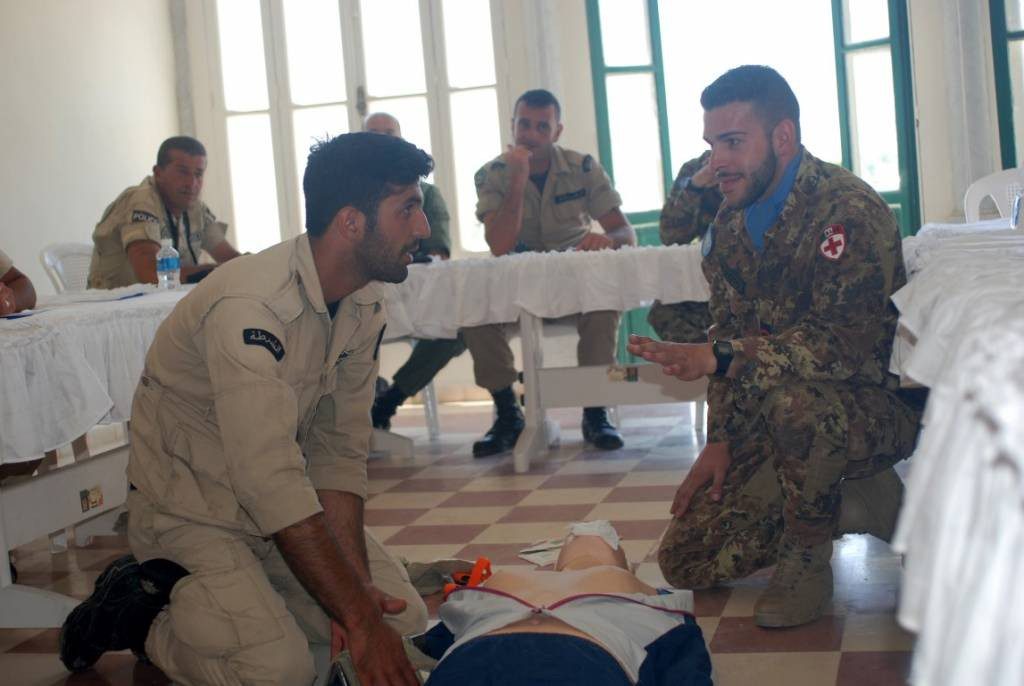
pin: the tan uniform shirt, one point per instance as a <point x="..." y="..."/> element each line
<point x="138" y="214"/>
<point x="252" y="396"/>
<point x="577" y="189"/>
<point x="5" y="263"/>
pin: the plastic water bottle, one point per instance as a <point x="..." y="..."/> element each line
<point x="168" y="264"/>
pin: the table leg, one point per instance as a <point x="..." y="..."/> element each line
<point x="539" y="433"/>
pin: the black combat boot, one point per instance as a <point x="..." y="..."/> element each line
<point x="598" y="430"/>
<point x="127" y="598"/>
<point x="506" y="428"/>
<point x="385" y="406"/>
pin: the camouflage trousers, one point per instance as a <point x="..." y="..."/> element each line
<point x="685" y="322"/>
<point x="785" y="476"/>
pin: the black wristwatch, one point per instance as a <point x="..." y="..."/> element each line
<point x="723" y="355"/>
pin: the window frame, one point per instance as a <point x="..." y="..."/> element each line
<point x="906" y="201"/>
<point x="1001" y="39"/>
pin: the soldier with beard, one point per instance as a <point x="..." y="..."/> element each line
<point x="250" y="432"/>
<point x="805" y="421"/>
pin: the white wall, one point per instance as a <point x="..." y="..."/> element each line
<point x="88" y="93"/>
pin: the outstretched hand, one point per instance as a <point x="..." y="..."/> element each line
<point x="686" y="361"/>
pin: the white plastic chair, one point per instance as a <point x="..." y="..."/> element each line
<point x="1001" y="187"/>
<point x="67" y="265"/>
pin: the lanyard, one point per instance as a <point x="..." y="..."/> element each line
<point x="188" y="233"/>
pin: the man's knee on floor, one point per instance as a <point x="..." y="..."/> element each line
<point x="285" y="661"/>
<point x="222" y="619"/>
<point x="686" y="571"/>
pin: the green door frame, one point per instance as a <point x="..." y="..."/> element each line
<point x="1001" y="39"/>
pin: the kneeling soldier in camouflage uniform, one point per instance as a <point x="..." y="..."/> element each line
<point x="250" y="431"/>
<point x="805" y="422"/>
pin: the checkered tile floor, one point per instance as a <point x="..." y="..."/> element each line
<point x="444" y="503"/>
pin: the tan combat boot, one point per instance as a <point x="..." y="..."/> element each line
<point x="800" y="588"/>
<point x="871" y="505"/>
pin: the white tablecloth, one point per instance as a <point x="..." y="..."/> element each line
<point x="74" y="364"/>
<point x="440" y="298"/>
<point x="962" y="523"/>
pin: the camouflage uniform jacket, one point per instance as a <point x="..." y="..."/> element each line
<point x="434" y="207"/>
<point x="687" y="213"/>
<point x="814" y="306"/>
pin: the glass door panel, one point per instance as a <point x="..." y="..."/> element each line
<point x="873" y="118"/>
<point x="475" y="140"/>
<point x="316" y="62"/>
<point x="253" y="184"/>
<point x="625" y="39"/>
<point x="865" y="20"/>
<point x="392" y="47"/>
<point x="633" y="126"/>
<point x="241" y="55"/>
<point x="469" y="46"/>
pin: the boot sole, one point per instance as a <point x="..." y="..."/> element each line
<point x="783" y="620"/>
<point x="76" y="650"/>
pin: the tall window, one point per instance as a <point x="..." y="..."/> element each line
<point x="1008" y="53"/>
<point x="295" y="71"/>
<point x="845" y="60"/>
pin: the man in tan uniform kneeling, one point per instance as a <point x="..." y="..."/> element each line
<point x="250" y="431"/>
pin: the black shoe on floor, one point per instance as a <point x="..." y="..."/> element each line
<point x="385" y="406"/>
<point x="598" y="431"/>
<point x="118" y="614"/>
<point x="502" y="436"/>
<point x="505" y="431"/>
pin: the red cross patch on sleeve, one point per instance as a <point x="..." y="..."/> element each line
<point x="833" y="242"/>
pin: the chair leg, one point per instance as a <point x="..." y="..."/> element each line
<point x="430" y="409"/>
<point x="700" y="410"/>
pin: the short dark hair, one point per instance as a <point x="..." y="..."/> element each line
<point x="187" y="144"/>
<point x="357" y="169"/>
<point x="538" y="97"/>
<point x="759" y="85"/>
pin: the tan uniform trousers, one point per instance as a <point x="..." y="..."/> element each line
<point x="494" y="366"/>
<point x="241" y="616"/>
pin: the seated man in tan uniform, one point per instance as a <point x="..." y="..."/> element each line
<point x="16" y="291"/>
<point x="164" y="205"/>
<point x="250" y="432"/>
<point x="538" y="196"/>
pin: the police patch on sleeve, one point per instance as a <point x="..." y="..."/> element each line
<point x="833" y="242"/>
<point x="264" y="339"/>
<point x="707" y="243"/>
<point x="143" y="216"/>
<point x="588" y="164"/>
